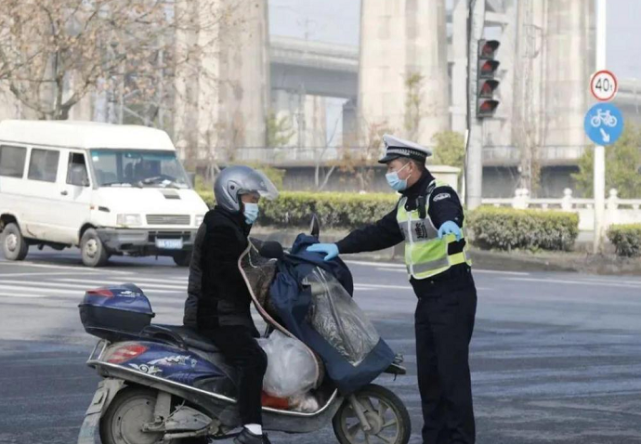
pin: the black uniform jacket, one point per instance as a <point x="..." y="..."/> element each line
<point x="218" y="295"/>
<point x="444" y="206"/>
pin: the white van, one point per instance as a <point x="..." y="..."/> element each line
<point x="109" y="189"/>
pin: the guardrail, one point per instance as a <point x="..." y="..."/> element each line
<point x="618" y="211"/>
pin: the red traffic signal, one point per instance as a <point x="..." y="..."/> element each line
<point x="488" y="68"/>
<point x="487" y="88"/>
<point x="487" y="108"/>
<point x="488" y="48"/>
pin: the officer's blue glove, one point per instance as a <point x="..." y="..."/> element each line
<point x="331" y="250"/>
<point x="449" y="227"/>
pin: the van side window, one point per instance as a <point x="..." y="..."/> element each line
<point x="43" y="165"/>
<point x="77" y="170"/>
<point x="12" y="159"/>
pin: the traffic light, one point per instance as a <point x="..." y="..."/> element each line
<point x="487" y="84"/>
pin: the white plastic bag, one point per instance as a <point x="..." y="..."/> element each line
<point x="306" y="403"/>
<point x="291" y="367"/>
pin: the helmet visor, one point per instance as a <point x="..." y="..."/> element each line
<point x="258" y="182"/>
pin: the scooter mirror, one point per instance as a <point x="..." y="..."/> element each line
<point x="314" y="228"/>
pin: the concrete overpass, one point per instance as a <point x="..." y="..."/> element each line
<point x="314" y="68"/>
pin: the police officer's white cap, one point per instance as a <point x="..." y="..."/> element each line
<point x="396" y="147"/>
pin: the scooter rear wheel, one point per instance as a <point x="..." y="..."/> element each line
<point x="386" y="414"/>
<point x="123" y="421"/>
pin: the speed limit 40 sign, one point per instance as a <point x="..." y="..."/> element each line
<point x="604" y="85"/>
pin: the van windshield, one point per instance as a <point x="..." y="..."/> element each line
<point x="138" y="168"/>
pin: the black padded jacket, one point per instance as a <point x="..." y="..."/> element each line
<point x="217" y="294"/>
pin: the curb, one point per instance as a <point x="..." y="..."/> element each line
<point x="489" y="260"/>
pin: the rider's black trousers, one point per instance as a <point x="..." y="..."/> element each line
<point x="444" y="322"/>
<point x="238" y="345"/>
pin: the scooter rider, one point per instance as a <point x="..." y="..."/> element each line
<point x="222" y="309"/>
<point x="429" y="218"/>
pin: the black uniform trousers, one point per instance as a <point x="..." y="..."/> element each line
<point x="241" y="350"/>
<point x="444" y="322"/>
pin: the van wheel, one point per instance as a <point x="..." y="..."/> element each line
<point x="182" y="259"/>
<point x="14" y="246"/>
<point x="94" y="253"/>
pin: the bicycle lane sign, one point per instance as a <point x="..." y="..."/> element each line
<point x="604" y="124"/>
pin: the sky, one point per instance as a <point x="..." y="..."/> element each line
<point x="337" y="21"/>
<point x="624" y="38"/>
<point x="332" y="21"/>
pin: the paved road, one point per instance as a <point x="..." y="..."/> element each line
<point x="556" y="357"/>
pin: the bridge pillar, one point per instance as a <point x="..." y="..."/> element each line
<point x="222" y="78"/>
<point x="403" y="79"/>
<point x="555" y="53"/>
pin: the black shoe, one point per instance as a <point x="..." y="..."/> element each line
<point x="247" y="437"/>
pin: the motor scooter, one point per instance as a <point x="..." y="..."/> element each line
<point x="168" y="384"/>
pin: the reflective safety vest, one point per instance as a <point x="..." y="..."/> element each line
<point x="425" y="254"/>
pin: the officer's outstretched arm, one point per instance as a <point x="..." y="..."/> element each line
<point x="383" y="234"/>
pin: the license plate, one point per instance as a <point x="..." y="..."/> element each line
<point x="169" y="244"/>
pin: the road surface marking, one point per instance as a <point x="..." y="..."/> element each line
<point x="474" y="271"/>
<point x="376" y="264"/>
<point x="44" y="290"/>
<point x="388" y="266"/>
<point x="573" y="282"/>
<point x="137" y="282"/>
<point x="512" y="273"/>
<point x="386" y="287"/>
<point x="21" y="295"/>
<point x="71" y="287"/>
<point x="65" y="267"/>
<point x="44" y="273"/>
<point x="610" y="281"/>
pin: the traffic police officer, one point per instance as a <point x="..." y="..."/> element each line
<point x="429" y="218"/>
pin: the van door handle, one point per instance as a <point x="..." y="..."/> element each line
<point x="64" y="193"/>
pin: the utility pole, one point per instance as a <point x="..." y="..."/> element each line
<point x="599" y="150"/>
<point x="474" y="136"/>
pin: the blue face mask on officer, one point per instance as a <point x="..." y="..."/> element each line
<point x="395" y="181"/>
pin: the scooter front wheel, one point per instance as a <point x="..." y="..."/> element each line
<point x="386" y="415"/>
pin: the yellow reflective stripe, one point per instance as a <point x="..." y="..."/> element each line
<point x="458" y="258"/>
<point x="430" y="266"/>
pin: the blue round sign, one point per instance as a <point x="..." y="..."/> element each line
<point x="604" y="124"/>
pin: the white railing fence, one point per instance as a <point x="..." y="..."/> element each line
<point x="617" y="211"/>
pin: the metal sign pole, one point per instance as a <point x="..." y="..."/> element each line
<point x="599" y="150"/>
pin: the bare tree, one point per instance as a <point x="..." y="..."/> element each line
<point x="323" y="169"/>
<point x="413" y="104"/>
<point x="53" y="53"/>
<point x="360" y="161"/>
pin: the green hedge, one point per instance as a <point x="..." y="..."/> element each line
<point x="626" y="239"/>
<point x="507" y="229"/>
<point x="335" y="210"/>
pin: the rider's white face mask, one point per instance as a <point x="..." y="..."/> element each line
<point x="251" y="212"/>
